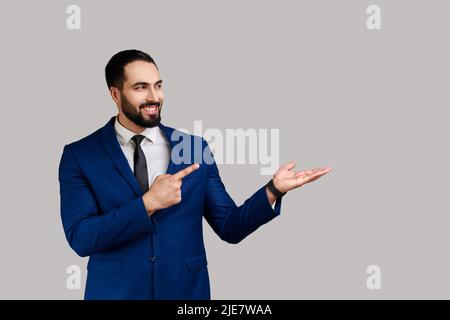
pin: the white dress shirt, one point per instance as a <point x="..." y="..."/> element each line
<point x="155" y="146"/>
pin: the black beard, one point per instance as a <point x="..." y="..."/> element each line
<point x="136" y="116"/>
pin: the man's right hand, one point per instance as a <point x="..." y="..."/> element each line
<point x="165" y="190"/>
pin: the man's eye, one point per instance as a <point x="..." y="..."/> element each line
<point x="140" y="87"/>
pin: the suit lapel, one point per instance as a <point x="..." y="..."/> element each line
<point x="109" y="142"/>
<point x="172" y="167"/>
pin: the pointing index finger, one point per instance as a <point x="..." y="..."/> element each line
<point x="186" y="171"/>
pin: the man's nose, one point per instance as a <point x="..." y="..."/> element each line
<point x="151" y="95"/>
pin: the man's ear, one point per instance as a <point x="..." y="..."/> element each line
<point x="115" y="94"/>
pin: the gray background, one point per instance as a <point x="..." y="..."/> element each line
<point x="371" y="104"/>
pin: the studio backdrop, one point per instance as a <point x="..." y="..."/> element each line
<point x="360" y="86"/>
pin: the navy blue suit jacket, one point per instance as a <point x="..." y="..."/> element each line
<point x="132" y="255"/>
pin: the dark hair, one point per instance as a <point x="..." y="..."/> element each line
<point x="114" y="71"/>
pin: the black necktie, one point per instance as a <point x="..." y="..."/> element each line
<point x="140" y="164"/>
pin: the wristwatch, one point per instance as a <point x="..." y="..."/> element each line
<point x="277" y="193"/>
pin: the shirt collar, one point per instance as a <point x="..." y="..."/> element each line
<point x="125" y="134"/>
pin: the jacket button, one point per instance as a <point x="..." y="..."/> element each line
<point x="152" y="259"/>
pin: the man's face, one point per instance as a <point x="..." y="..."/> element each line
<point x="142" y="97"/>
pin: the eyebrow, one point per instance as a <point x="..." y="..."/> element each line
<point x="141" y="83"/>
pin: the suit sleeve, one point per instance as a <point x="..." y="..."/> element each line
<point x="230" y="222"/>
<point x="88" y="230"/>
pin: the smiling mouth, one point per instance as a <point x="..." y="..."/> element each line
<point x="150" y="110"/>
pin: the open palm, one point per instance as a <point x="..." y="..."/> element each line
<point x="286" y="178"/>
